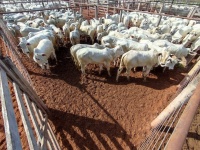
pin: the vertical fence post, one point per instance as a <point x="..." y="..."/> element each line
<point x="138" y="6"/>
<point x="160" y="17"/>
<point x="120" y="16"/>
<point x="80" y="9"/>
<point x="74" y="11"/>
<point x="96" y="12"/>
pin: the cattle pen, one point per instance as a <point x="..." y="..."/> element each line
<point x="51" y="109"/>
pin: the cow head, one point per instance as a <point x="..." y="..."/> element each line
<point x="40" y="59"/>
<point x="23" y="44"/>
<point x="171" y="62"/>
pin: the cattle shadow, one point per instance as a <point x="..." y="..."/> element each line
<point x="157" y="79"/>
<point x="65" y="69"/>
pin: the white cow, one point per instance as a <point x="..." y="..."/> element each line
<point x="42" y="52"/>
<point x="58" y="33"/>
<point x="66" y="30"/>
<point x="133" y="59"/>
<point x="76" y="47"/>
<point x="196" y="45"/>
<point x="96" y="56"/>
<point x="180" y="34"/>
<point x="179" y="51"/>
<point x="74" y="36"/>
<point x="128" y="44"/>
<point x="27" y="46"/>
<point x="25" y="30"/>
<point x="192" y="36"/>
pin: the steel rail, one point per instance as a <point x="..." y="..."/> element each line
<point x="181" y="130"/>
<point x="157" y="137"/>
<point x="171" y="125"/>
<point x="45" y="9"/>
<point x="96" y="5"/>
<point x="154" y="132"/>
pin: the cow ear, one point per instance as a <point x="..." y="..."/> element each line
<point x="159" y="54"/>
<point x="179" y="60"/>
<point x="43" y="54"/>
<point x="28" y="44"/>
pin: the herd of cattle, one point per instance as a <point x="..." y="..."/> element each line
<point x="134" y="37"/>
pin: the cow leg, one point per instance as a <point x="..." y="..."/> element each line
<point x="83" y="73"/>
<point x="42" y="66"/>
<point x="101" y="68"/>
<point x="118" y="72"/>
<point x="83" y="68"/>
<point x="47" y="65"/>
<point x="92" y="40"/>
<point x="128" y="70"/>
<point x="107" y="64"/>
<point x="145" y="73"/>
<point x="54" y="55"/>
<point x="184" y="61"/>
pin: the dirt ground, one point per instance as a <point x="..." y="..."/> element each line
<point x="101" y="113"/>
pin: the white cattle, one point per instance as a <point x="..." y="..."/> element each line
<point x="162" y="43"/>
<point x="33" y="24"/>
<point x="128" y="44"/>
<point x="43" y="52"/>
<point x="180" y="34"/>
<point x="100" y="28"/>
<point x="114" y="17"/>
<point x="133" y="59"/>
<point x="25" y="30"/>
<point x="109" y="41"/>
<point x="100" y="35"/>
<point x="66" y="31"/>
<point x="179" y="51"/>
<point x="175" y="28"/>
<point x="196" y="45"/>
<point x="192" y="36"/>
<point x="74" y="36"/>
<point x="170" y="62"/>
<point x="96" y="56"/>
<point x="27" y="46"/>
<point x="162" y="29"/>
<point x="58" y="33"/>
<point x="88" y="30"/>
<point x="47" y="33"/>
<point x="76" y="47"/>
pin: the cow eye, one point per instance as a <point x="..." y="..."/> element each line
<point x="195" y="34"/>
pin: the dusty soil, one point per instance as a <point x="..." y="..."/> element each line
<point x="100" y="113"/>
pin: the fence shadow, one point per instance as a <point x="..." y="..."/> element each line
<point x="82" y="138"/>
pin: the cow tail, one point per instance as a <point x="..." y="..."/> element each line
<point x="122" y="61"/>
